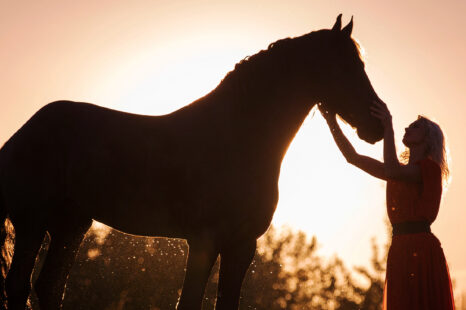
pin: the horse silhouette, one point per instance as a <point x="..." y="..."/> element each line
<point x="207" y="173"/>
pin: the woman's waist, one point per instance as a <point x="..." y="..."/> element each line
<point x="419" y="238"/>
<point x="411" y="227"/>
<point x="413" y="230"/>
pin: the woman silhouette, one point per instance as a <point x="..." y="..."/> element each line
<point x="417" y="273"/>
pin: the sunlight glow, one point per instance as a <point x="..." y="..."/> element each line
<point x="362" y="50"/>
<point x="321" y="194"/>
<point x="163" y="80"/>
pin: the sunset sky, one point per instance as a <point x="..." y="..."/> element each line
<point x="153" y="57"/>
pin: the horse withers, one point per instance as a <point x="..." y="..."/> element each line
<point x="207" y="173"/>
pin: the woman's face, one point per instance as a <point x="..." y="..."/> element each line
<point x="414" y="134"/>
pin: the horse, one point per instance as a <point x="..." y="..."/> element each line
<point x="207" y="173"/>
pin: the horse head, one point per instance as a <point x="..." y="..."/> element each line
<point x="344" y="87"/>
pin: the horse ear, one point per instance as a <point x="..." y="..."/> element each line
<point x="348" y="28"/>
<point x="337" y="26"/>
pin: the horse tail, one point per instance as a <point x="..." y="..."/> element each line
<point x="6" y="239"/>
<point x="3" y="231"/>
<point x="3" y="226"/>
<point x="4" y="259"/>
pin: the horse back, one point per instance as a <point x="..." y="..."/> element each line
<point x="151" y="175"/>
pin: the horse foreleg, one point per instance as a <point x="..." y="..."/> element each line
<point x="201" y="257"/>
<point x="64" y="246"/>
<point x="18" y="280"/>
<point x="234" y="262"/>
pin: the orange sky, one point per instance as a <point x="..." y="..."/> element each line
<point x="137" y="55"/>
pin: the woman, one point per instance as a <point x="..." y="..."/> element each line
<point x="417" y="274"/>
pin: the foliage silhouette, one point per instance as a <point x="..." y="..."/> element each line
<point x="116" y="271"/>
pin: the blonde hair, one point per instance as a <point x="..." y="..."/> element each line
<point x="436" y="147"/>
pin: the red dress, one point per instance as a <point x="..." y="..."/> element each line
<point x="417" y="273"/>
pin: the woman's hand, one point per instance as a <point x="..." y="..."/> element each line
<point x="329" y="116"/>
<point x="380" y="111"/>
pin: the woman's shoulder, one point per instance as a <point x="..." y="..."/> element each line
<point x="430" y="169"/>
<point x="428" y="163"/>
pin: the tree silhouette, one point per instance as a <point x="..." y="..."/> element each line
<point x="118" y="271"/>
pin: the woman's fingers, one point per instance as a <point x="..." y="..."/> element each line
<point x="325" y="113"/>
<point x="380" y="104"/>
<point x="378" y="111"/>
<point x="378" y="115"/>
<point x="329" y="116"/>
<point x="381" y="109"/>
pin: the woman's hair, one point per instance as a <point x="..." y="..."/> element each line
<point x="436" y="146"/>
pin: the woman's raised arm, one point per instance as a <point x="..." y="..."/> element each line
<point x="365" y="163"/>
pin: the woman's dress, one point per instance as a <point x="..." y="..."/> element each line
<point x="417" y="273"/>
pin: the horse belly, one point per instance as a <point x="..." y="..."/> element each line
<point x="143" y="220"/>
<point x="134" y="199"/>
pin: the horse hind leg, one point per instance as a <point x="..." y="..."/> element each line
<point x="64" y="245"/>
<point x="18" y="280"/>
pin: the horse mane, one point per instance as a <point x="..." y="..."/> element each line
<point x="247" y="70"/>
<point x="259" y="69"/>
<point x="359" y="49"/>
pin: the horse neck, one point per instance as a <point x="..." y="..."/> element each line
<point x="259" y="107"/>
<point x="267" y="118"/>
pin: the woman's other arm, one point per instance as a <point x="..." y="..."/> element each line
<point x="392" y="167"/>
